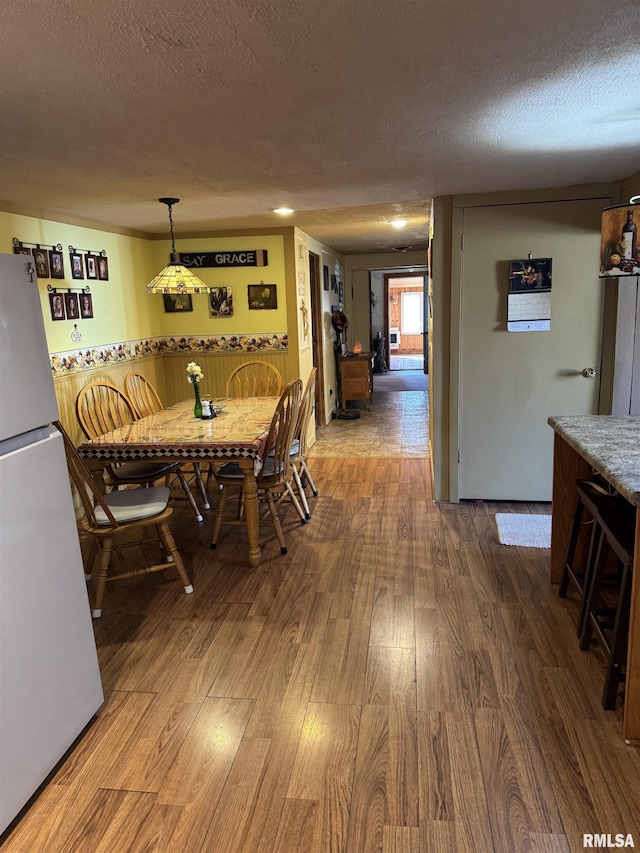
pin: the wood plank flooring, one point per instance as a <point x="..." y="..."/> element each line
<point x="399" y="682"/>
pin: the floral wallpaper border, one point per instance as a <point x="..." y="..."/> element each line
<point x="72" y="361"/>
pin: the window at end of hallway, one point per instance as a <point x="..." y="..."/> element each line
<point x="411" y="316"/>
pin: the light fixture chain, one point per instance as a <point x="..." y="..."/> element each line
<point x="173" y="242"/>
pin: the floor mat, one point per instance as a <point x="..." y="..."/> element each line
<point x="526" y="530"/>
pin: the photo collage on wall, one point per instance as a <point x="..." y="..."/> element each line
<point x="66" y="303"/>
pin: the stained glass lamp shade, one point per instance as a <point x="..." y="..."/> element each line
<point x="175" y="278"/>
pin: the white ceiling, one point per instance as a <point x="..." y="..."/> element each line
<point x="350" y="111"/>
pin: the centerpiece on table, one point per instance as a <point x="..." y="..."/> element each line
<point x="195" y="376"/>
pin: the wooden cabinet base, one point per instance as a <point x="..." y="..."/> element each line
<point x="356" y="378"/>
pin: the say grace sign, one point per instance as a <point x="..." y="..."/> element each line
<point x="244" y="258"/>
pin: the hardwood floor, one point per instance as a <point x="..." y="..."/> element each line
<point x="399" y="682"/>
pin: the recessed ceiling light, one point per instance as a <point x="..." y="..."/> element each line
<point x="283" y="211"/>
<point x="398" y="223"/>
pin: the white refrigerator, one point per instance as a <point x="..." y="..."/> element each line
<point x="49" y="678"/>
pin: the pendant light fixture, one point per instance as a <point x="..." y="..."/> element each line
<point x="175" y="278"/>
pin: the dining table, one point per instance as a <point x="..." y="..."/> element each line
<point x="237" y="433"/>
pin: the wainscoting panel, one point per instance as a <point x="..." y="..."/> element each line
<point x="68" y="387"/>
<point x="217" y="368"/>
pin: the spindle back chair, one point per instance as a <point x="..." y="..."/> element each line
<point x="107" y="517"/>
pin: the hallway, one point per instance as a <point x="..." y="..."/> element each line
<point x="396" y="425"/>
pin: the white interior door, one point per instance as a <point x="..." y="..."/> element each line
<point x="511" y="382"/>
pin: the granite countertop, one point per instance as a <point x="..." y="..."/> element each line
<point x="609" y="444"/>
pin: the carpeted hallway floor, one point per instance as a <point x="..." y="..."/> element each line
<point x="400" y="380"/>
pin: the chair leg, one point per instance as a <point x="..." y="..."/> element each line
<point x="308" y="476"/>
<point x="296" y="503"/>
<point x="211" y="477"/>
<point x="203" y="492"/>
<point x="299" y="487"/>
<point x="101" y="580"/>
<point x="91" y="558"/>
<point x="218" y="519"/>
<point x="187" y="491"/>
<point x="164" y="532"/>
<point x="276" y="521"/>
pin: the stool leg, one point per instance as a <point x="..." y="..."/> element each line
<point x="571" y="548"/>
<point x="618" y="655"/>
<point x="594" y="546"/>
<point x="593" y="593"/>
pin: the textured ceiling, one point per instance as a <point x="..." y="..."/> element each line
<point x="350" y="111"/>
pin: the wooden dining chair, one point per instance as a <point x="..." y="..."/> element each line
<point x="102" y="407"/>
<point x="299" y="446"/>
<point x="275" y="478"/>
<point x="111" y="517"/>
<point x="142" y="394"/>
<point x="254" y="379"/>
<point x="146" y="401"/>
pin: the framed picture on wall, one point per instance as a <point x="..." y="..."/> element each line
<point x="103" y="268"/>
<point x="177" y="302"/>
<point x="325" y="277"/>
<point x="220" y="302"/>
<point x="262" y="297"/>
<point x="91" y="265"/>
<point x="56" y="263"/>
<point x="76" y="265"/>
<point x="21" y="250"/>
<point x="72" y="306"/>
<point x="56" y="303"/>
<point x="42" y="262"/>
<point x="86" y="306"/>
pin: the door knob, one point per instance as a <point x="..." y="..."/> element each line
<point x="589" y="372"/>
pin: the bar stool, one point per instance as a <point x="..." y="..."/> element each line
<point x="592" y="496"/>
<point x="609" y="625"/>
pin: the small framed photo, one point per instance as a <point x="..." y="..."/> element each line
<point x="71" y="306"/>
<point x="103" y="268"/>
<point x="334" y="283"/>
<point x="42" y="262"/>
<point x="86" y="306"/>
<point x="220" y="302"/>
<point x="262" y="297"/>
<point x="56" y="263"/>
<point x="91" y="266"/>
<point x="174" y="302"/>
<point x="56" y="303"/>
<point x="22" y="250"/>
<point x="76" y="265"/>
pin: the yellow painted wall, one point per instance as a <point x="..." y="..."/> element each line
<point x="243" y="321"/>
<point x="122" y="310"/>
